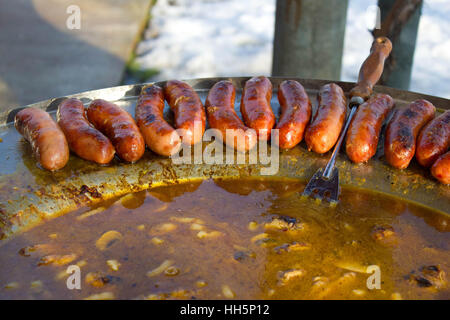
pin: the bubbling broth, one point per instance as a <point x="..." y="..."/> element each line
<point x="243" y="239"/>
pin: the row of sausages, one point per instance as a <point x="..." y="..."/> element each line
<point x="104" y="129"/>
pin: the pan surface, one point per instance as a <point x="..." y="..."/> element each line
<point x="30" y="195"/>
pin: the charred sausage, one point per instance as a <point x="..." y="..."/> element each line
<point x="190" y="117"/>
<point x="295" y="113"/>
<point x="433" y="140"/>
<point x="364" y="130"/>
<point x="119" y="127"/>
<point x="441" y="168"/>
<point x="45" y="136"/>
<point x="83" y="139"/>
<point x="402" y="131"/>
<point x="255" y="106"/>
<point x="221" y="116"/>
<point x="159" y="136"/>
<point x="323" y="132"/>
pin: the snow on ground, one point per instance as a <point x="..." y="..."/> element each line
<point x="209" y="38"/>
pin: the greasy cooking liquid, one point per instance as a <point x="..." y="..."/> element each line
<point x="243" y="239"/>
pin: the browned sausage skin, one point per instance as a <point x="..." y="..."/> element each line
<point x="255" y="106"/>
<point x="433" y="140"/>
<point x="323" y="132"/>
<point x="159" y="136"/>
<point x="84" y="140"/>
<point x="295" y="113"/>
<point x="45" y="136"/>
<point x="221" y="116"/>
<point x="441" y="168"/>
<point x="402" y="131"/>
<point x="189" y="112"/>
<point x="119" y="126"/>
<point x="364" y="130"/>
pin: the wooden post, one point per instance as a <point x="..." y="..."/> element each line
<point x="399" y="22"/>
<point x="309" y="38"/>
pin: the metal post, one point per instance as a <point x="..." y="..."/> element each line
<point x="309" y="38"/>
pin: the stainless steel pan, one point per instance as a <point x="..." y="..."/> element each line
<point x="29" y="195"/>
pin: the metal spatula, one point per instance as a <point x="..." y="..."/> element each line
<point x="325" y="182"/>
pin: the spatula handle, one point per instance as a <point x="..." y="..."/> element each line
<point x="372" y="68"/>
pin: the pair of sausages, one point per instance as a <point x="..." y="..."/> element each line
<point x="100" y="132"/>
<point x="295" y="110"/>
<point x="364" y="130"/>
<point x="402" y="132"/>
<point x="190" y="117"/>
<point x="432" y="147"/>
<point x="413" y="130"/>
<point x="222" y="117"/>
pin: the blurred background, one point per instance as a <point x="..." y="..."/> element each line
<point x="52" y="48"/>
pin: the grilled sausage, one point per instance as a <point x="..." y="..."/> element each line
<point x="433" y="140"/>
<point x="221" y="116"/>
<point x="119" y="127"/>
<point x="295" y="113"/>
<point x="255" y="106"/>
<point x="45" y="136"/>
<point x="190" y="115"/>
<point x="364" y="130"/>
<point x="159" y="136"/>
<point x="84" y="140"/>
<point x="323" y="132"/>
<point x="441" y="168"/>
<point x="402" y="131"/>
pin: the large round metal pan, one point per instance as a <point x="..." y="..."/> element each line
<point x="30" y="195"/>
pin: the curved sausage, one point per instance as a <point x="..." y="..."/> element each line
<point x="364" y="130"/>
<point x="323" y="132"/>
<point x="221" y="116"/>
<point x="190" y="115"/>
<point x="295" y="113"/>
<point x="441" y="168"/>
<point x="119" y="127"/>
<point x="255" y="106"/>
<point x="45" y="136"/>
<point x="84" y="140"/>
<point x="159" y="136"/>
<point x="433" y="140"/>
<point x="402" y="131"/>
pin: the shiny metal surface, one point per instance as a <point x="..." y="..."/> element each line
<point x="29" y="195"/>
